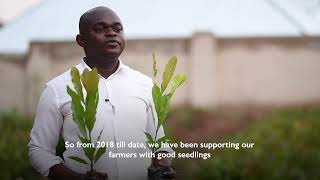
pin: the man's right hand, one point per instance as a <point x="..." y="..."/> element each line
<point x="96" y="176"/>
<point x="61" y="172"/>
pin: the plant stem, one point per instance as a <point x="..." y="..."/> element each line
<point x="155" y="139"/>
<point x="91" y="168"/>
<point x="91" y="162"/>
<point x="155" y="136"/>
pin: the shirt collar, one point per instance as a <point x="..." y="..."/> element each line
<point x="120" y="66"/>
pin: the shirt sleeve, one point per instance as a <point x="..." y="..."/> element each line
<point x="45" y="133"/>
<point x="152" y="124"/>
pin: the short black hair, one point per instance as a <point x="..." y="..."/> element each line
<point x="83" y="22"/>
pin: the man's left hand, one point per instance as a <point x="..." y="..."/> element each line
<point x="165" y="162"/>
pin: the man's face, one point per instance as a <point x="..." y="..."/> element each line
<point x="103" y="35"/>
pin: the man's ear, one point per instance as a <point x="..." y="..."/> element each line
<point x="80" y="40"/>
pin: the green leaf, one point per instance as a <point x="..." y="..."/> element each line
<point x="177" y="81"/>
<point x="90" y="80"/>
<point x="164" y="139"/>
<point x="100" y="135"/>
<point x="60" y="148"/>
<point x="78" y="159"/>
<point x="77" y="111"/>
<point x="75" y="78"/>
<point x="92" y="101"/>
<point x="84" y="139"/>
<point x="149" y="137"/>
<point x="156" y="96"/>
<point x="100" y="152"/>
<point x="165" y="104"/>
<point x="149" y="141"/>
<point x="154" y="66"/>
<point x="89" y="151"/>
<point x="168" y="73"/>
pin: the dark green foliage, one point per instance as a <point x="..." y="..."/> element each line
<point x="60" y="147"/>
<point x="80" y="160"/>
<point x="287" y="147"/>
<point x="14" y="138"/>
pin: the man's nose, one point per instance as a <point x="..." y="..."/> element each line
<point x="110" y="32"/>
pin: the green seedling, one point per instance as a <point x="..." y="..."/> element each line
<point x="84" y="110"/>
<point x="161" y="97"/>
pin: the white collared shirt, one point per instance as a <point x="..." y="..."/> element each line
<point x="124" y="112"/>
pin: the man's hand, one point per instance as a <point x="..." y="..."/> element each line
<point x="96" y="176"/>
<point x="61" y="172"/>
<point x="170" y="173"/>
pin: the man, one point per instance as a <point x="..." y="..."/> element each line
<point x="124" y="110"/>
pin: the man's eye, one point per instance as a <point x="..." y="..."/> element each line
<point x="98" y="29"/>
<point x="117" y="29"/>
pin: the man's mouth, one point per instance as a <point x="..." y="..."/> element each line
<point x="112" y="42"/>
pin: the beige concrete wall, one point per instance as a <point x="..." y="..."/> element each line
<point x="46" y="61"/>
<point x="269" y="71"/>
<point x="12" y="83"/>
<point x="203" y="70"/>
<point x="64" y="55"/>
<point x="37" y="72"/>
